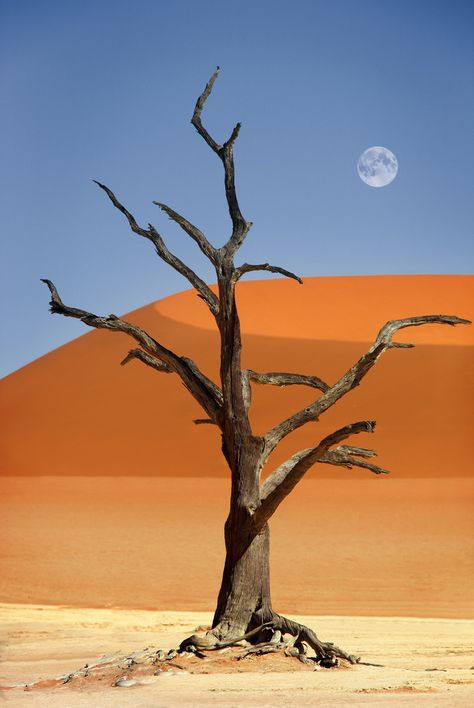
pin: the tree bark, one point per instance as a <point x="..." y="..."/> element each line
<point x="245" y="587"/>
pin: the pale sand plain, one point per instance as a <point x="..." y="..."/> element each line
<point x="426" y="662"/>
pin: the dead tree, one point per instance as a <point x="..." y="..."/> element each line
<point x="244" y="602"/>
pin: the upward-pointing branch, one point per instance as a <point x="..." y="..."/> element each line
<point x="240" y="227"/>
<point x="352" y="377"/>
<point x="152" y="235"/>
<point x="206" y="393"/>
<point x="195" y="233"/>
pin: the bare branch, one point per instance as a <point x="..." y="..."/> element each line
<point x="283" y="480"/>
<point x="216" y="392"/>
<point x="148" y="360"/>
<point x="248" y="267"/>
<point x="359" y="451"/>
<point x="206" y="393"/>
<point x="195" y="233"/>
<point x="196" y="119"/>
<point x="203" y="421"/>
<point x="345" y="456"/>
<point x="388" y="330"/>
<point x="352" y="377"/>
<point x="163" y="252"/>
<point x="240" y="227"/>
<point x="276" y="378"/>
<point x="130" y="218"/>
<point x="234" y="134"/>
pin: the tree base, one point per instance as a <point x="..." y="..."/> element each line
<point x="274" y="634"/>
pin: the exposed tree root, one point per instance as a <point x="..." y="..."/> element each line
<point x="269" y="636"/>
<point x="261" y="649"/>
<point x="209" y="641"/>
<point x="326" y="653"/>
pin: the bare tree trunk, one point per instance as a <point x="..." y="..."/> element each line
<point x="245" y="588"/>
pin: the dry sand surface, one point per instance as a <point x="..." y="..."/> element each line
<point x="426" y="662"/>
<point x="376" y="546"/>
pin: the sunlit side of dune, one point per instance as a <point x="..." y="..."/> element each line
<point x="75" y="411"/>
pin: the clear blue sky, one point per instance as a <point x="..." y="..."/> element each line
<point x="104" y="89"/>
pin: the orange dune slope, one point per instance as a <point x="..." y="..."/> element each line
<point x="75" y="411"/>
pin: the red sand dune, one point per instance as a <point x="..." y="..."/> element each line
<point x="146" y="531"/>
<point x="75" y="411"/>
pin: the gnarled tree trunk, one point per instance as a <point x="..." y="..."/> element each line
<point x="245" y="587"/>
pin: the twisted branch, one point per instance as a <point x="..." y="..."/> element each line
<point x="165" y="254"/>
<point x="196" y="119"/>
<point x="324" y="651"/>
<point x="206" y="393"/>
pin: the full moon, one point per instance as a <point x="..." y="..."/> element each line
<point x="377" y="166"/>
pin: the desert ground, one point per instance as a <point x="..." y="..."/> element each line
<point x="113" y="505"/>
<point x="425" y="662"/>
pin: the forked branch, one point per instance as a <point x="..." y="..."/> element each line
<point x="192" y="231"/>
<point x="284" y="479"/>
<point x="347" y="456"/>
<point x="165" y="254"/>
<point x="206" y="393"/>
<point x="240" y="227"/>
<point x="352" y="377"/>
<point x="147" y="359"/>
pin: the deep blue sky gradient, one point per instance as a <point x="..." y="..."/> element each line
<point x="105" y="89"/>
